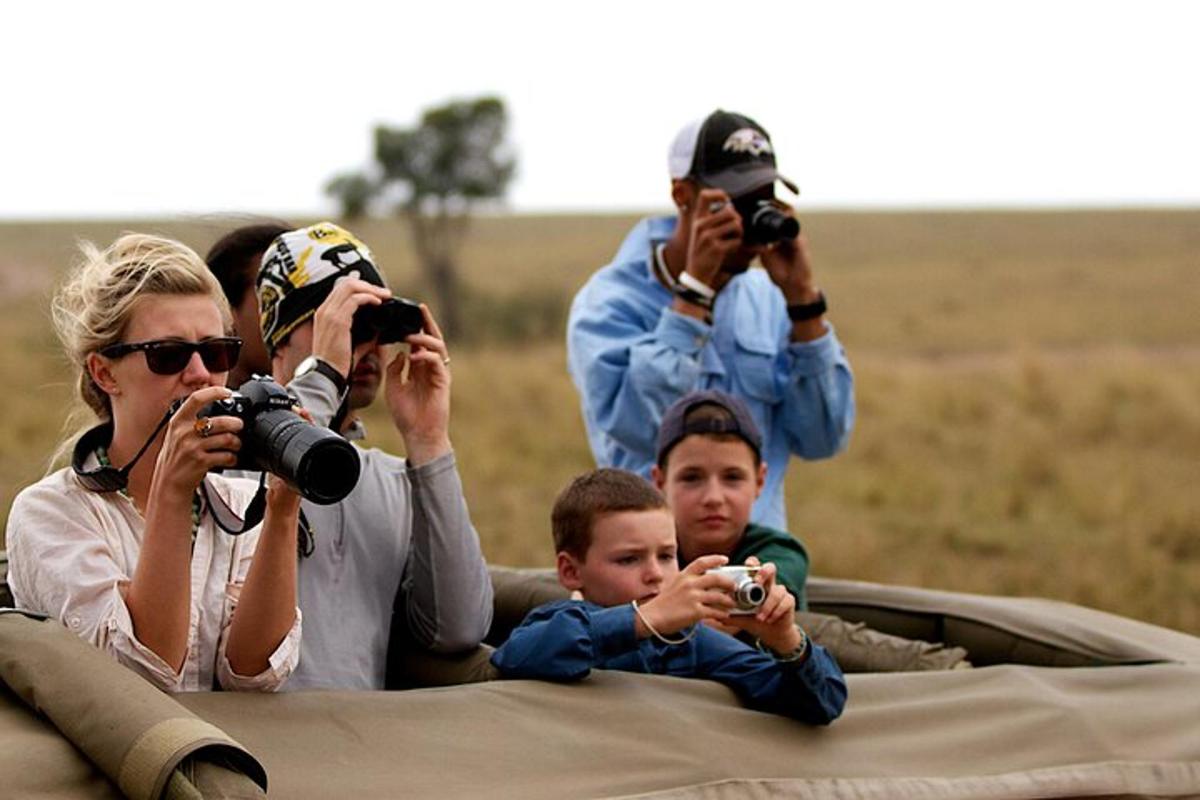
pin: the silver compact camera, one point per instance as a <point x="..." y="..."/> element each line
<point x="748" y="596"/>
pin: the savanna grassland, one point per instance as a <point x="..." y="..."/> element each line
<point x="1028" y="392"/>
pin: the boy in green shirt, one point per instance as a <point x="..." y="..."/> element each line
<point x="710" y="469"/>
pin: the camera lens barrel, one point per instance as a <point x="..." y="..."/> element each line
<point x="747" y="594"/>
<point x="768" y="224"/>
<point x="319" y="464"/>
<point x="316" y="462"/>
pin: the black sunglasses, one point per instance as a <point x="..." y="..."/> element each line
<point x="171" y="356"/>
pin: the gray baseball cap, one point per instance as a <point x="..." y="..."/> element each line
<point x="676" y="427"/>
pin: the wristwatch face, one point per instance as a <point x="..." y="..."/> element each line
<point x="306" y="366"/>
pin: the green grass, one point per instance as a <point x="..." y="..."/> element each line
<point x="1028" y="388"/>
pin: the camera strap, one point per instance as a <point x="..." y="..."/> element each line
<point x="226" y="518"/>
<point x="106" y="478"/>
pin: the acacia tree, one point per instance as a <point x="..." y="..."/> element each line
<point x="455" y="157"/>
<point x="354" y="191"/>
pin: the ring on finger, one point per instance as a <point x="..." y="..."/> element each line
<point x="203" y="426"/>
<point x="446" y="361"/>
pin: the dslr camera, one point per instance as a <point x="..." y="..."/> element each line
<point x="748" y="596"/>
<point x="316" y="462"/>
<point x="762" y="221"/>
<point x="393" y="320"/>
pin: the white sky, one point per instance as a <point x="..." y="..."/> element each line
<point x="123" y="108"/>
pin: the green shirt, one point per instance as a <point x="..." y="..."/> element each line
<point x="782" y="549"/>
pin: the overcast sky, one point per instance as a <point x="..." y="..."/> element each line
<point x="123" y="108"/>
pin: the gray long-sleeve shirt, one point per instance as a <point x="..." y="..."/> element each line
<point x="402" y="539"/>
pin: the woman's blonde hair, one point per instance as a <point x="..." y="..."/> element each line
<point x="93" y="307"/>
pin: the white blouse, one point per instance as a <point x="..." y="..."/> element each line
<point x="70" y="550"/>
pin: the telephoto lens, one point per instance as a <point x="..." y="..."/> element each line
<point x="316" y="462"/>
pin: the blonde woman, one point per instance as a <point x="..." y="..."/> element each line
<point x="121" y="546"/>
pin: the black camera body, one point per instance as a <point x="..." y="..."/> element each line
<point x="316" y="462"/>
<point x="763" y="222"/>
<point x="394" y="320"/>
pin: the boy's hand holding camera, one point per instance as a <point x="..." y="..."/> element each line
<point x="775" y="623"/>
<point x="694" y="596"/>
<point x="697" y="595"/>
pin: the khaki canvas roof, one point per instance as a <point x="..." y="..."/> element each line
<point x="1006" y="730"/>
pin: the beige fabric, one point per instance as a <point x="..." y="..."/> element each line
<point x="1003" y="629"/>
<point x="996" y="732"/>
<point x="37" y="761"/>
<point x="990" y="733"/>
<point x="105" y="710"/>
<point x="858" y="648"/>
<point x="1064" y="782"/>
<point x="141" y="775"/>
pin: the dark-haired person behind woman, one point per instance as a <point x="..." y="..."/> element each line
<point x="235" y="259"/>
<point x="144" y="573"/>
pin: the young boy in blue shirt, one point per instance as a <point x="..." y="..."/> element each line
<point x="615" y="543"/>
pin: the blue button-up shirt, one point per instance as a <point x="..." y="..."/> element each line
<point x="566" y="639"/>
<point x="631" y="356"/>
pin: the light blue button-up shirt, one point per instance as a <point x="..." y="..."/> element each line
<point x="631" y="356"/>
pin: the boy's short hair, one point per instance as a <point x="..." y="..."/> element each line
<point x="707" y="413"/>
<point x="601" y="491"/>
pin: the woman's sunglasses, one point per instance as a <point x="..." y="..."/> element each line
<point x="171" y="356"/>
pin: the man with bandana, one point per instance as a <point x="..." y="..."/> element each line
<point x="402" y="542"/>
<point x="678" y="310"/>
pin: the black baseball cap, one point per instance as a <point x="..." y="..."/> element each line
<point x="728" y="151"/>
<point x="676" y="427"/>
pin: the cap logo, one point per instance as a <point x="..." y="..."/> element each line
<point x="747" y="140"/>
<point x="269" y="305"/>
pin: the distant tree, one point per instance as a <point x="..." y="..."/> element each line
<point x="440" y="170"/>
<point x="354" y="191"/>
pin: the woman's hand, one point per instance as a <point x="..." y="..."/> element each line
<point x="194" y="445"/>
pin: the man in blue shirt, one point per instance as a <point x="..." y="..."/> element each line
<point x="678" y="310"/>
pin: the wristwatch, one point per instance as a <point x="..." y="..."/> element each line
<point x="807" y="311"/>
<point x="797" y="656"/>
<point x="314" y="364"/>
